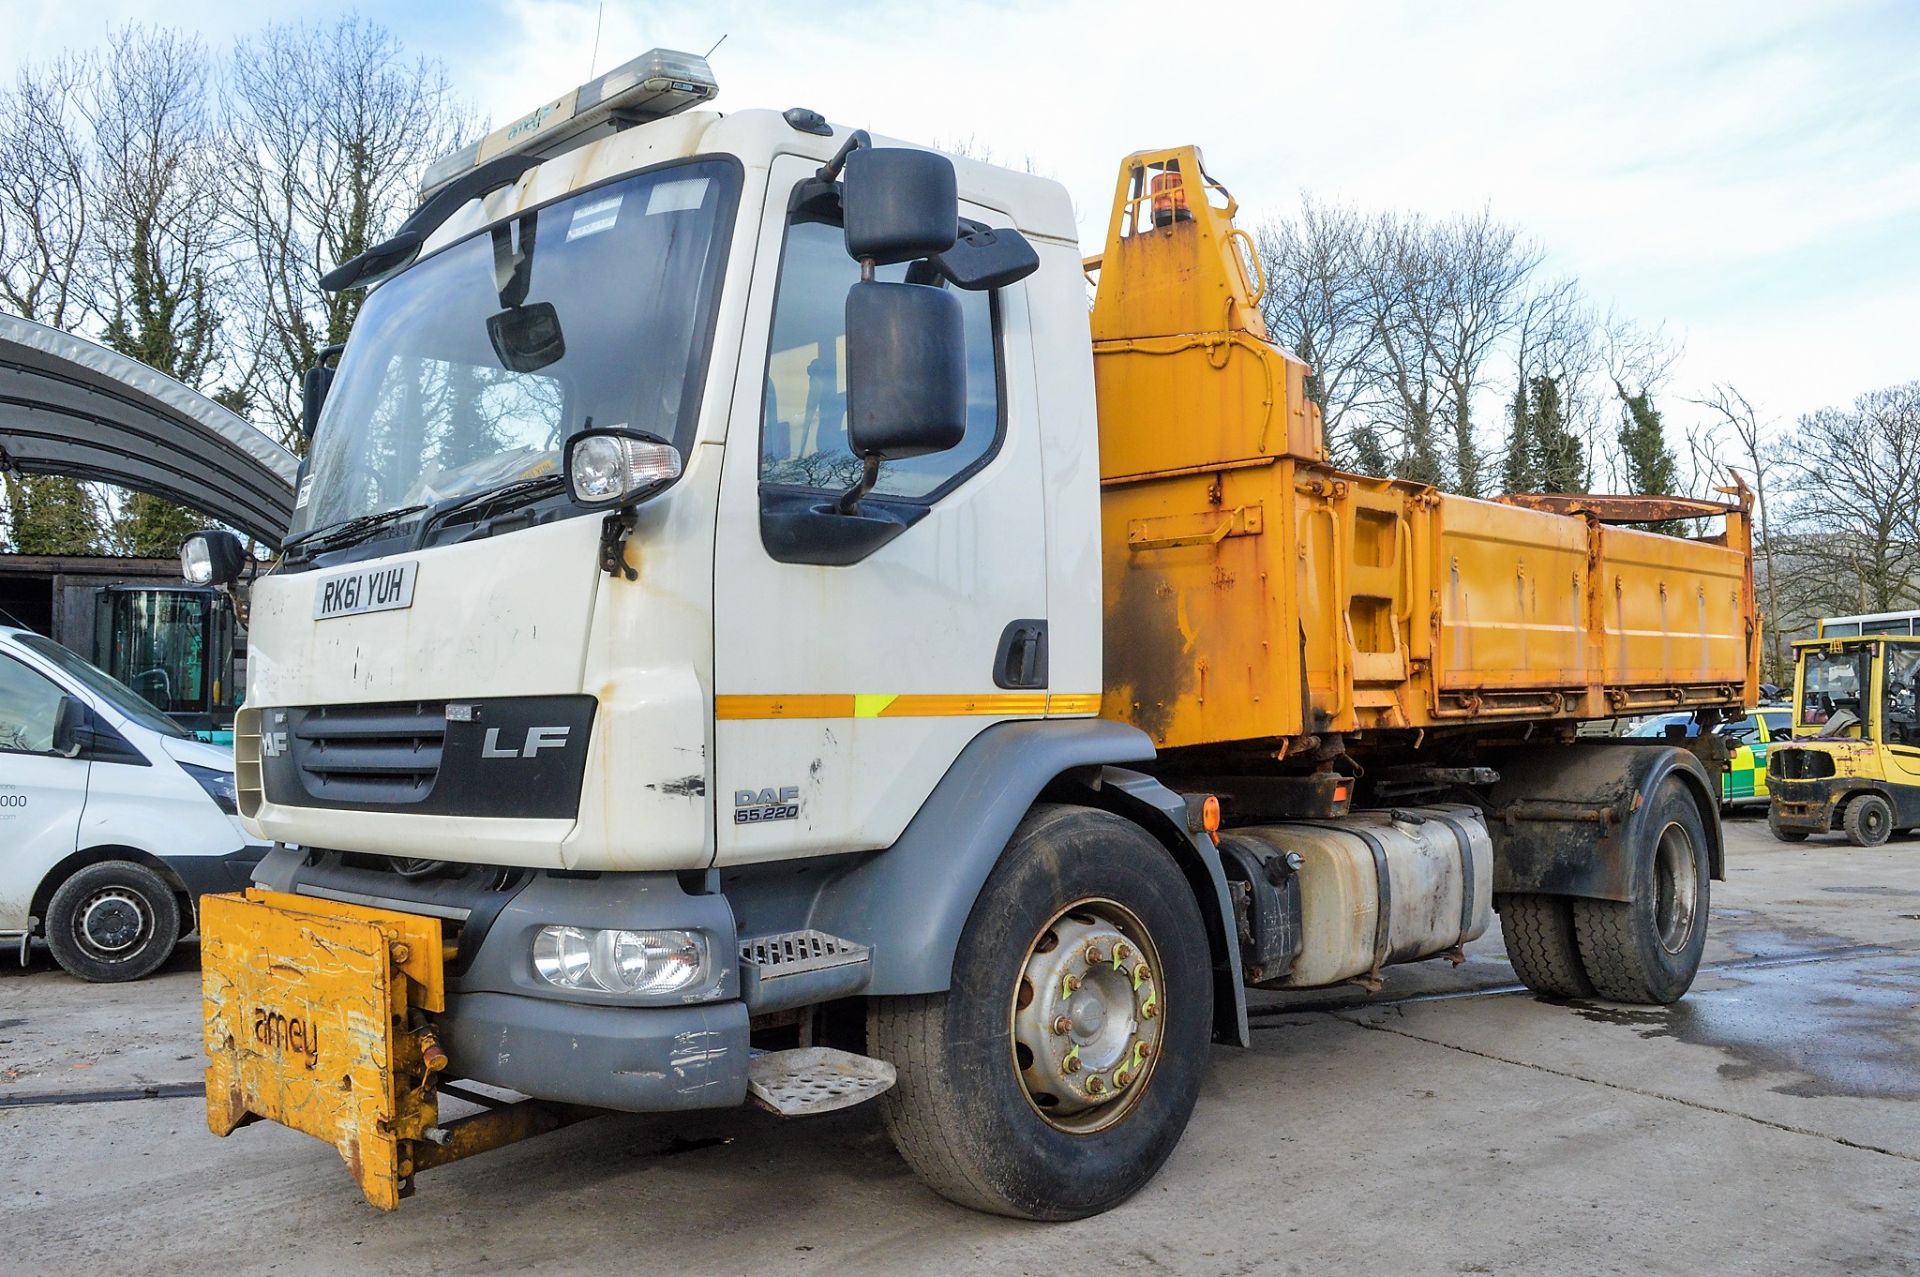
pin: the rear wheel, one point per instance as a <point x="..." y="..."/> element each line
<point x="1868" y="821"/>
<point x="1780" y="831"/>
<point x="1648" y="949"/>
<point x="113" y="921"/>
<point x="1541" y="945"/>
<point x="1057" y="1074"/>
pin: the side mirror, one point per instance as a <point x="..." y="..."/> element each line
<point x="899" y="204"/>
<point x="906" y="371"/>
<point x="986" y="258"/>
<point x="69" y="721"/>
<point x="313" y="397"/>
<point x="213" y="557"/>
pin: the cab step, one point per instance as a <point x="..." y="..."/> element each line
<point x="815" y="1079"/>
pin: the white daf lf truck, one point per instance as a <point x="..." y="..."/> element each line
<point x="683" y="679"/>
<point x="114" y="821"/>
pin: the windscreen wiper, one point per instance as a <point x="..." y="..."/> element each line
<point x="338" y="534"/>
<point x="513" y="494"/>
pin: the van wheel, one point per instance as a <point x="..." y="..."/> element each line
<point x="1057" y="1074"/>
<point x="1869" y="820"/>
<point x="1541" y="945"/>
<point x="113" y="921"/>
<point x="1648" y="949"/>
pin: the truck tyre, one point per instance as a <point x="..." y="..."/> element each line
<point x="1782" y="832"/>
<point x="1059" y="1071"/>
<point x="1541" y="945"/>
<point x="1647" y="949"/>
<point x="1868" y="821"/>
<point x="113" y="921"/>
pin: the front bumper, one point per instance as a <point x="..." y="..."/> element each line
<point x="635" y="1059"/>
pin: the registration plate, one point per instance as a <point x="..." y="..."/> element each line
<point x="383" y="589"/>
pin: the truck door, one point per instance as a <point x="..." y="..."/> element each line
<point x="41" y="793"/>
<point x="1900" y="712"/>
<point x="855" y="658"/>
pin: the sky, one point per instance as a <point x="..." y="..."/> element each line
<point x="1745" y="174"/>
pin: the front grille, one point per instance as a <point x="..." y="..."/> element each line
<point x="387" y="754"/>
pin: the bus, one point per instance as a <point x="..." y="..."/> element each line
<point x="1867" y="623"/>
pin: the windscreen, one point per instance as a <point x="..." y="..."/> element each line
<point x="114" y="693"/>
<point x="471" y="369"/>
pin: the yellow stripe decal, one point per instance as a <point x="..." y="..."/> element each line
<point x="905" y="705"/>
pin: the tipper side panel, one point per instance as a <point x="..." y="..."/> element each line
<point x="1256" y="597"/>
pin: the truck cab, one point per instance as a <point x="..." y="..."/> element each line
<point x="1854" y="764"/>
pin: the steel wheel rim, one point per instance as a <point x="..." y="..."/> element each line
<point x="1086" y="1016"/>
<point x="112" y="923"/>
<point x="1874" y="821"/>
<point x="1676" y="887"/>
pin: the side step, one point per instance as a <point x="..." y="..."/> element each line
<point x="815" y="1079"/>
<point x="796" y="968"/>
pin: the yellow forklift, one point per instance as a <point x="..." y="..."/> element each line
<point x="1854" y="762"/>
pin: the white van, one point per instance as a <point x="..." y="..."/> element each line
<point x="113" y="820"/>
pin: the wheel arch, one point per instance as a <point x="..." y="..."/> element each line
<point x="51" y="881"/>
<point x="1564" y="820"/>
<point x="910" y="902"/>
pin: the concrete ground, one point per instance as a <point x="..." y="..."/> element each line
<point x="1451" y="1124"/>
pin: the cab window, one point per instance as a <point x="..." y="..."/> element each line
<point x="28" y="705"/>
<point x="1779" y="723"/>
<point x="803" y="440"/>
<point x="1900" y="719"/>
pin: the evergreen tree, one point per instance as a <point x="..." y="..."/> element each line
<point x="1369" y="457"/>
<point x="1652" y="469"/>
<point x="1557" y="452"/>
<point x="50" y="514"/>
<point x="1521" y="475"/>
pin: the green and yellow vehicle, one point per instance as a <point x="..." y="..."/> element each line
<point x="1749" y="738"/>
<point x="1855" y="762"/>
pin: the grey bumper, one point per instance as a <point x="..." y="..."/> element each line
<point x="636" y="1059"/>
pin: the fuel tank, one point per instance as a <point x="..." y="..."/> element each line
<point x="1376" y="888"/>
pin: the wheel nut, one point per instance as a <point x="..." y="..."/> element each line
<point x="1095" y="955"/>
<point x="1121" y="1079"/>
<point x="1072" y="1064"/>
<point x="1143" y="1049"/>
<point x="1096" y="1085"/>
<point x="1121" y="953"/>
<point x="1061" y="1024"/>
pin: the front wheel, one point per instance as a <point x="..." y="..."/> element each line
<point x="1648" y="949"/>
<point x="1057" y="1074"/>
<point x="1869" y="820"/>
<point x="113" y="921"/>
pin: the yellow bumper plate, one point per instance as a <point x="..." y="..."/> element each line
<point x="308" y="1008"/>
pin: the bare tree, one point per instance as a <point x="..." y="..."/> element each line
<point x="44" y="209"/>
<point x="160" y="239"/>
<point x="1735" y="440"/>
<point x="1853" y="482"/>
<point x="1480" y="269"/>
<point x="1316" y="304"/>
<point x="329" y="130"/>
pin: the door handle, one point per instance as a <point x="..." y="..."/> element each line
<point x="1020" y="659"/>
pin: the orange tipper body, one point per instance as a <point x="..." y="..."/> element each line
<point x="1255" y="595"/>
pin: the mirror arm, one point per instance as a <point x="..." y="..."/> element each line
<point x="849" y="502"/>
<point x="855" y="140"/>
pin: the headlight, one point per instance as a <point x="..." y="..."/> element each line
<point x="214" y="557"/>
<point x="218" y="784"/>
<point x="196" y="561"/>
<point x="616" y="961"/>
<point x="614" y="467"/>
